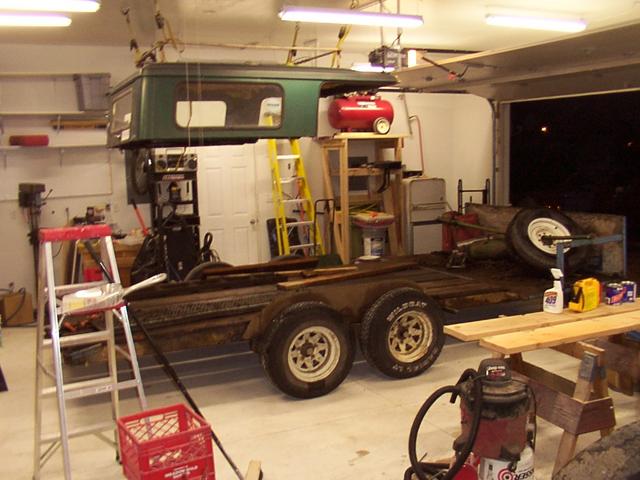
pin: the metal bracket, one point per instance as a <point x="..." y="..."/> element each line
<point x="589" y="367"/>
<point x="564" y="242"/>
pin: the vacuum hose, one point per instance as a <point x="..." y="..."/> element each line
<point x="422" y="469"/>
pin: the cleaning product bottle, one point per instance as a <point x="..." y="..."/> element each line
<point x="553" y="300"/>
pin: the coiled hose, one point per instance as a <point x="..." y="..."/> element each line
<point x="422" y="469"/>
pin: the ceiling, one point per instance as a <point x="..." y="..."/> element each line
<point x="603" y="60"/>
<point x="449" y="24"/>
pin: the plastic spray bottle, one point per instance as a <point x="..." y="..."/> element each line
<point x="553" y="300"/>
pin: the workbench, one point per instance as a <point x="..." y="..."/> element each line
<point x="577" y="407"/>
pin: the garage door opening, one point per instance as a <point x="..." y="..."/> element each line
<point x="578" y="154"/>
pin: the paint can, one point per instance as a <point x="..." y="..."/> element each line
<point x="630" y="291"/>
<point x="373" y="241"/>
<point x="613" y="293"/>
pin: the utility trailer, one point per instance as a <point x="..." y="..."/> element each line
<point x="305" y="322"/>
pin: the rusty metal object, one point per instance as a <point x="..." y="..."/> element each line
<point x="239" y="306"/>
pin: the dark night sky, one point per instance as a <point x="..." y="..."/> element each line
<point x="586" y="160"/>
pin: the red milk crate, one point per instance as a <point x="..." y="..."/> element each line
<point x="170" y="443"/>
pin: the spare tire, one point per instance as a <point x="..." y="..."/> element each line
<point x="529" y="226"/>
<point x="614" y="457"/>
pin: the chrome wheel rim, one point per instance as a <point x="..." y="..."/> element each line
<point x="410" y="336"/>
<point x="313" y="354"/>
<point x="542" y="227"/>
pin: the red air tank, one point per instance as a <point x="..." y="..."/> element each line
<point x="361" y="112"/>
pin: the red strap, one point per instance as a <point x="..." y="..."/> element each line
<point x="74" y="233"/>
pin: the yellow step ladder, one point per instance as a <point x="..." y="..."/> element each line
<point x="292" y="199"/>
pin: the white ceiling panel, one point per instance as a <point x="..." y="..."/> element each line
<point x="449" y="24"/>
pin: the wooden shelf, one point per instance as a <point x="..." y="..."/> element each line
<point x="47" y="74"/>
<point x="9" y="148"/>
<point x="66" y="114"/>
<point x="362" y="136"/>
<point x="388" y="201"/>
<point x="360" y="172"/>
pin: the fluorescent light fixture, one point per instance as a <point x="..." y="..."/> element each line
<point x="348" y="17"/>
<point x="412" y="58"/>
<point x="367" y="67"/>
<point x="34" y="21"/>
<point x="51" y="5"/>
<point x="536" y="23"/>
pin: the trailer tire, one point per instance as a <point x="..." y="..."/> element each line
<point x="524" y="235"/>
<point x="401" y="333"/>
<point x="307" y="350"/>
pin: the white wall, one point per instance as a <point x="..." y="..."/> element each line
<point x="456" y="132"/>
<point x="456" y="138"/>
<point x="96" y="179"/>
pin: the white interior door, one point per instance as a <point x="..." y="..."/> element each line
<point x="227" y="194"/>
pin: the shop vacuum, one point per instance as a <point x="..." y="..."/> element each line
<point x="497" y="416"/>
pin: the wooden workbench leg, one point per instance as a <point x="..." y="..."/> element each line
<point x="589" y="370"/>
<point x="515" y="360"/>
<point x="601" y="389"/>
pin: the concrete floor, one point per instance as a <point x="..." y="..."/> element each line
<point x="359" y="431"/>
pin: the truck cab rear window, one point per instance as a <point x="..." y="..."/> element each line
<point x="228" y="105"/>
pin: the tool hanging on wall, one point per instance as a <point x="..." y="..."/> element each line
<point x="30" y="198"/>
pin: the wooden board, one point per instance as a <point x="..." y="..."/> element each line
<point x="472" y="331"/>
<point x="545" y="337"/>
<point x="324" y="279"/>
<point x="464" y="290"/>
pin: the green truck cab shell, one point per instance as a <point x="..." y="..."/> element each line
<point x="198" y="104"/>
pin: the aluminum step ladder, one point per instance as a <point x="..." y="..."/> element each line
<point x="292" y="199"/>
<point x="49" y="296"/>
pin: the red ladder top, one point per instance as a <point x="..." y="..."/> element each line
<point x="74" y="233"/>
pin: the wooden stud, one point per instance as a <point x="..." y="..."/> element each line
<point x="325" y="279"/>
<point x="254" y="472"/>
